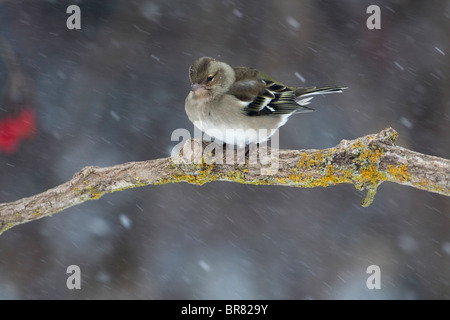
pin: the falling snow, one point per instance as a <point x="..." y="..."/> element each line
<point x="204" y="265"/>
<point x="114" y="92"/>
<point x="406" y="122"/>
<point x="399" y="66"/>
<point x="293" y="23"/>
<point x="440" y="51"/>
<point x="155" y="57"/>
<point x="298" y="75"/>
<point x="114" y="115"/>
<point x="238" y="13"/>
<point x="125" y="221"/>
<point x="446" y="248"/>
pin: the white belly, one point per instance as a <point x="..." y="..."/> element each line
<point x="233" y="136"/>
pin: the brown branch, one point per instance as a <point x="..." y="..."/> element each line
<point x="364" y="162"/>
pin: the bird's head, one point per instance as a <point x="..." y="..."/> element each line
<point x="210" y="77"/>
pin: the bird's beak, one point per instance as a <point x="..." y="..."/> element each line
<point x="197" y="87"/>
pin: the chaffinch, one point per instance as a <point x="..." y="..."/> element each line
<point x="241" y="105"/>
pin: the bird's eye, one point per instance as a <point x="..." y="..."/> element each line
<point x="210" y="78"/>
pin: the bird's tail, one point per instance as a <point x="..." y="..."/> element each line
<point x="304" y="95"/>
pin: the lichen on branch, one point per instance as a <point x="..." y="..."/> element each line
<point x="365" y="162"/>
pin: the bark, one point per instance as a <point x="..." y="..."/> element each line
<point x="364" y="162"/>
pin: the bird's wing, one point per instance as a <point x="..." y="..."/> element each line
<point x="277" y="99"/>
<point x="263" y="96"/>
<point x="248" y="84"/>
<point x="245" y="73"/>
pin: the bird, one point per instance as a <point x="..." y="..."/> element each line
<point x="241" y="105"/>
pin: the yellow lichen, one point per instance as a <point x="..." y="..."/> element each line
<point x="400" y="173"/>
<point x="371" y="175"/>
<point x="319" y="158"/>
<point x="309" y="161"/>
<point x="6" y="227"/>
<point x="235" y="175"/>
<point x="94" y="193"/>
<point x="392" y="135"/>
<point x="365" y="172"/>
<point x="304" y="159"/>
<point x="423" y="183"/>
<point x="36" y="213"/>
<point x="281" y="180"/>
<point x="370" y="196"/>
<point x="199" y="174"/>
<point x="321" y="170"/>
<point x="367" y="166"/>
<point x="296" y="178"/>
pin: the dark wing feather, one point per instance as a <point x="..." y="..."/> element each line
<point x="265" y="96"/>
<point x="247" y="89"/>
<point x="248" y="84"/>
<point x="311" y="91"/>
<point x="268" y="97"/>
<point x="276" y="99"/>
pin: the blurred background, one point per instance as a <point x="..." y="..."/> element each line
<point x="114" y="92"/>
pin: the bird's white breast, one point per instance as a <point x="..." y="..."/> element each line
<point x="222" y="127"/>
<point x="233" y="136"/>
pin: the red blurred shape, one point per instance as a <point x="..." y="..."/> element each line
<point x="15" y="128"/>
